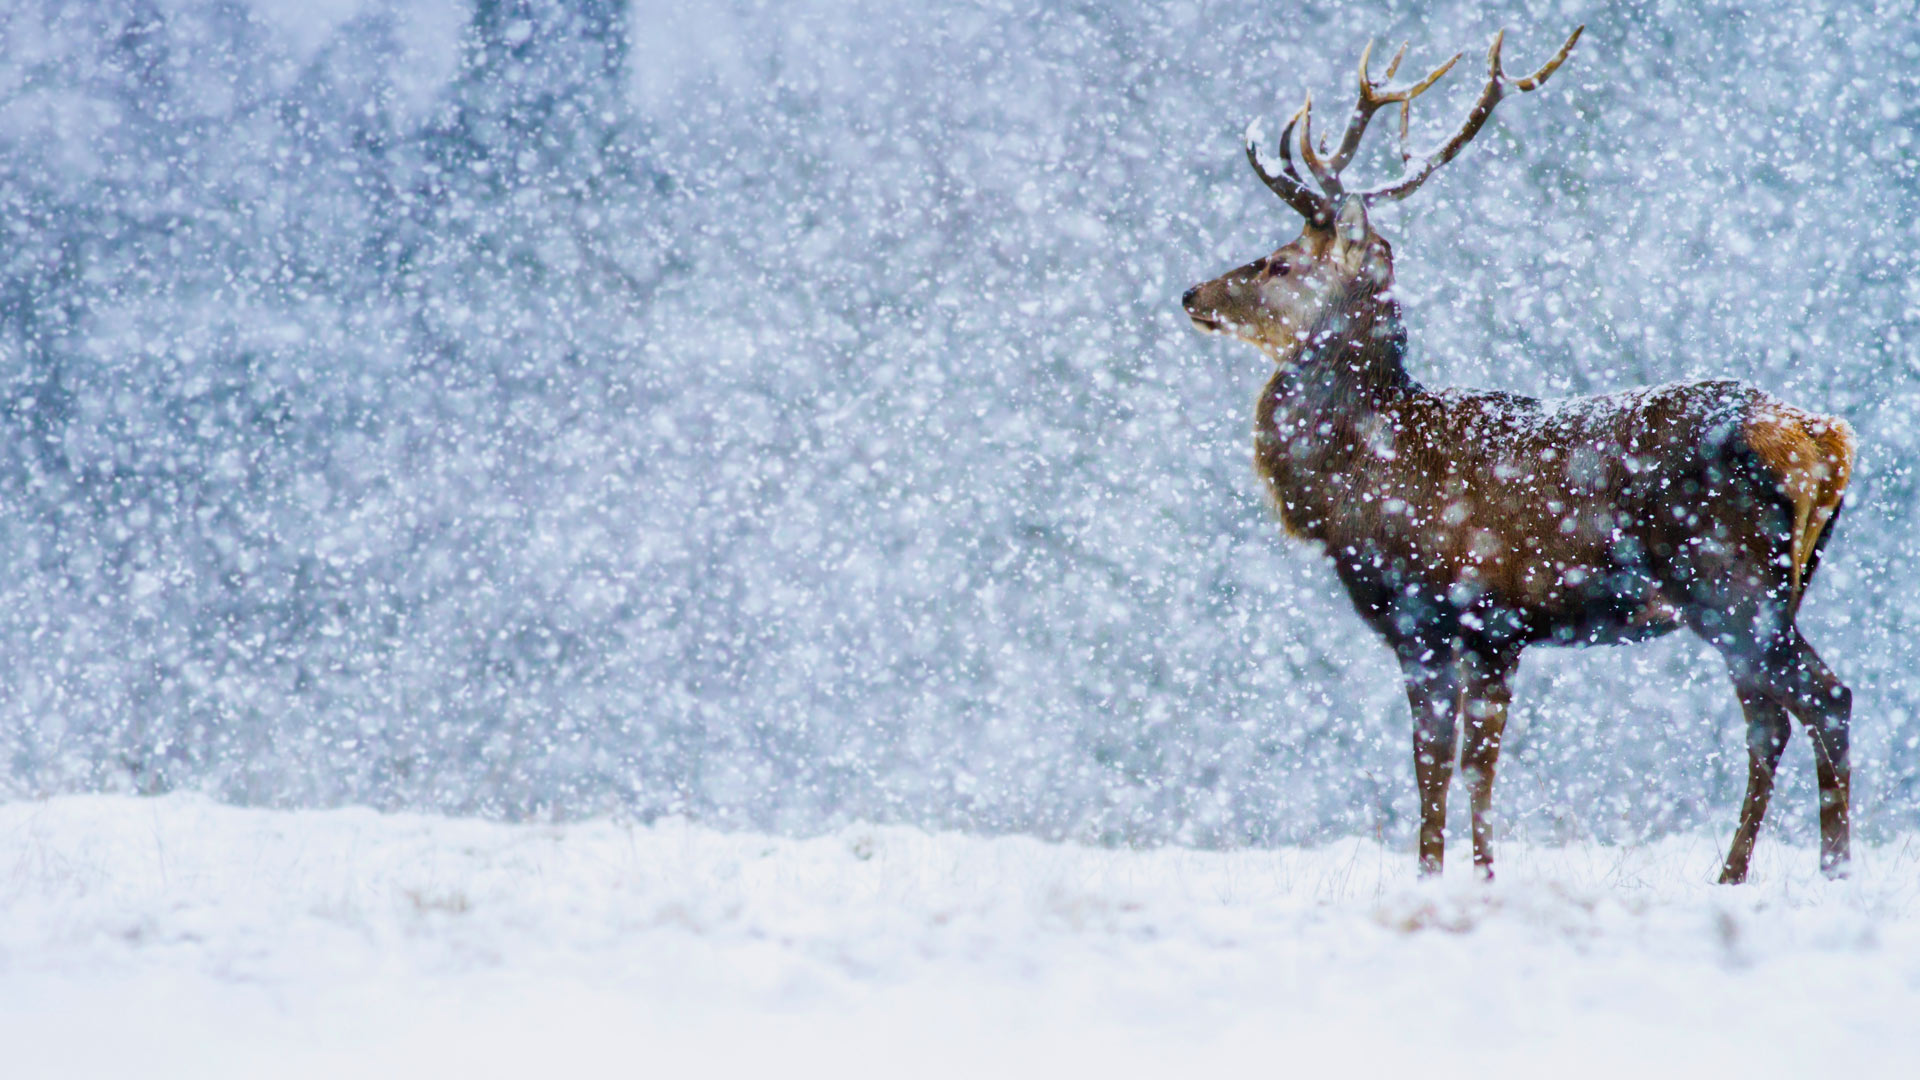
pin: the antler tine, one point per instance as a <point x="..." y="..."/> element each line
<point x="1393" y="65"/>
<point x="1286" y="148"/>
<point x="1329" y="178"/>
<point x="1496" y="88"/>
<point x="1372" y="97"/>
<point x="1322" y="204"/>
<point x="1546" y="70"/>
<point x="1362" y="108"/>
<point x="1414" y="91"/>
<point x="1287" y="183"/>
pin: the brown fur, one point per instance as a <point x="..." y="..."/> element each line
<point x="1469" y="525"/>
<point x="1812" y="456"/>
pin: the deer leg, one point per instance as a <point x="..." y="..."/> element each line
<point x="1485" y="703"/>
<point x="1433" y="690"/>
<point x="1825" y="705"/>
<point x="1767" y="731"/>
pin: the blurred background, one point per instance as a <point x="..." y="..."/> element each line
<point x="779" y="414"/>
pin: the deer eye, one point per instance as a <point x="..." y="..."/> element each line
<point x="1276" y="268"/>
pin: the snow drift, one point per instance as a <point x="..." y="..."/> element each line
<point x="178" y="937"/>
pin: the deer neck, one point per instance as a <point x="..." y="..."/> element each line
<point x="1324" y="406"/>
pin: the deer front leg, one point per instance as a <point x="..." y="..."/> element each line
<point x="1485" y="705"/>
<point x="1433" y="690"/>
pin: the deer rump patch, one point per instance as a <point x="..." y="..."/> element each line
<point x="1811" y="458"/>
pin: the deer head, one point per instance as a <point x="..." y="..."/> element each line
<point x="1278" y="301"/>
<point x="1338" y="264"/>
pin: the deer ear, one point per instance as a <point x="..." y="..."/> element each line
<point x="1351" y="223"/>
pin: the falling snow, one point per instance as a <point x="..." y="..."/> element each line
<point x="535" y="527"/>
<point x="781" y="417"/>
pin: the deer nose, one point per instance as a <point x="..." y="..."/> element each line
<point x="1186" y="298"/>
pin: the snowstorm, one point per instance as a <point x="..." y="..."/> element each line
<point x="719" y="508"/>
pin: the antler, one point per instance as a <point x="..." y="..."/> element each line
<point x="1287" y="183"/>
<point x="1497" y="86"/>
<point x="1318" y="206"/>
<point x="1372" y="98"/>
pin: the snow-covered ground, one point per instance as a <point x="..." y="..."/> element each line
<point x="176" y="937"/>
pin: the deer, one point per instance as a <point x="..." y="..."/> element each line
<point x="1466" y="525"/>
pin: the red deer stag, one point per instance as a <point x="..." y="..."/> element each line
<point x="1467" y="525"/>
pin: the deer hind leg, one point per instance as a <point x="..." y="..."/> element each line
<point x="1767" y="732"/>
<point x="1773" y="678"/>
<point x="1485" y="701"/>
<point x="1825" y="705"/>
<point x="1433" y="691"/>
